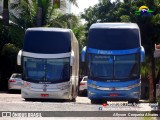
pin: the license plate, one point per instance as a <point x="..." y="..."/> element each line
<point x="113" y="95"/>
<point x="44" y="95"/>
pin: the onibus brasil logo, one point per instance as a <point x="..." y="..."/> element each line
<point x="144" y="11"/>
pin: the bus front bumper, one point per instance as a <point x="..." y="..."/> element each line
<point x="59" y="94"/>
<point x="112" y="95"/>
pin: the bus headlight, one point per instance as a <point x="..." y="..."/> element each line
<point x="62" y="87"/>
<point x="26" y="84"/>
<point x="135" y="93"/>
<point x="133" y="86"/>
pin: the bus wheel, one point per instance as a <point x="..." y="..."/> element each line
<point x="73" y="100"/>
<point x="99" y="101"/>
<point x="27" y="99"/>
<point x="136" y="100"/>
<point x="10" y="91"/>
<point x="80" y="93"/>
<point x="93" y="101"/>
<point x="133" y="101"/>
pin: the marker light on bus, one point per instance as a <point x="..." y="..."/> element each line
<point x="62" y="87"/>
<point x="92" y="86"/>
<point x="133" y="86"/>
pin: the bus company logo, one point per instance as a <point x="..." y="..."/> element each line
<point x="45" y="88"/>
<point x="144" y="11"/>
<point x="113" y="88"/>
<point x="104" y="52"/>
<point x="100" y="108"/>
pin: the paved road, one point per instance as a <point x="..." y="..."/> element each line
<point x="14" y="102"/>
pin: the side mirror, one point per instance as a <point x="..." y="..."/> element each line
<point x="142" y="54"/>
<point x="19" y="57"/>
<point x="72" y="58"/>
<point x="83" y="54"/>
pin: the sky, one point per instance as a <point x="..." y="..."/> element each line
<point x="82" y="4"/>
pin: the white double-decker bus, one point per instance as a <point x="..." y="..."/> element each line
<point x="50" y="62"/>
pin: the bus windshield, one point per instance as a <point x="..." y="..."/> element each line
<point x="46" y="70"/>
<point x="110" y="67"/>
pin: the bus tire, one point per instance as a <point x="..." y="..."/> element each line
<point x="10" y="91"/>
<point x="136" y="100"/>
<point x="27" y="99"/>
<point x="133" y="101"/>
<point x="73" y="100"/>
<point x="99" y="101"/>
<point x="80" y="93"/>
<point x="93" y="101"/>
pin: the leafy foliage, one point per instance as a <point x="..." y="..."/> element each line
<point x="51" y="18"/>
<point x="9" y="49"/>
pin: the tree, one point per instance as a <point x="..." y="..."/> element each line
<point x="43" y="6"/>
<point x="35" y="13"/>
<point x="102" y="12"/>
<point x="52" y="17"/>
<point x="9" y="56"/>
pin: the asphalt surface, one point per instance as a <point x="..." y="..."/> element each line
<point x="34" y="109"/>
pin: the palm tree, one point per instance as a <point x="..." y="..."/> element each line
<point x="51" y="17"/>
<point x="41" y="13"/>
<point x="43" y="6"/>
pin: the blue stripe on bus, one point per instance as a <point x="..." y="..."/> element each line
<point x="113" y="83"/>
<point x="113" y="52"/>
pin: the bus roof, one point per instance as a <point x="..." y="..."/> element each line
<point x="49" y="29"/>
<point x="114" y="25"/>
